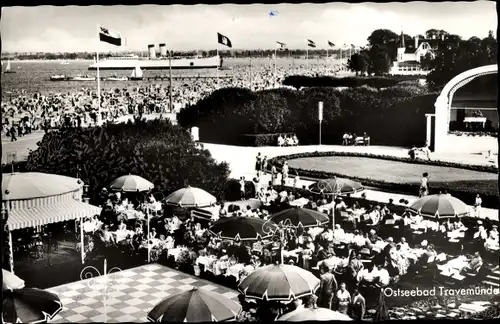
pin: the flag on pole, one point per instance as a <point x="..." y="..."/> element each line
<point x="224" y="40"/>
<point x="310" y="43"/>
<point x="281" y="46"/>
<point x="331" y="44"/>
<point x="114" y="38"/>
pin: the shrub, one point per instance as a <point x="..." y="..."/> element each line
<point x="299" y="81"/>
<point x="156" y="150"/>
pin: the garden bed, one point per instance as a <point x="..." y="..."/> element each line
<point x="399" y="174"/>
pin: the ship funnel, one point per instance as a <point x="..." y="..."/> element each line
<point x="152" y="51"/>
<point x="163" y="50"/>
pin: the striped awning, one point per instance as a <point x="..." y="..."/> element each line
<point x="48" y="214"/>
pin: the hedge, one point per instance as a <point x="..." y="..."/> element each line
<point x="299" y="81"/>
<point x="393" y="116"/>
<point x="460" y="189"/>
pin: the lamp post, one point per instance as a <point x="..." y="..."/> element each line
<point x="94" y="284"/>
<point x="278" y="234"/>
<point x="320" y="118"/>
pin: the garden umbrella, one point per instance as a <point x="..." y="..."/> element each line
<point x="193" y="306"/>
<point x="31" y="185"/>
<point x="314" y="314"/>
<point x="11" y="281"/>
<point x="243" y="228"/>
<point x="300" y="216"/>
<point x="190" y="197"/>
<point x="440" y="205"/>
<point x="29" y="305"/>
<point x="281" y="282"/>
<point x="339" y="186"/>
<point x="131" y="183"/>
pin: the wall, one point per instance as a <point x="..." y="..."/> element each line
<point x="470" y="144"/>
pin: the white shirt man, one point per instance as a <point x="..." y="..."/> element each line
<point x="175" y="224"/>
<point x="477" y="205"/>
<point x="365" y="275"/>
<point x="375" y="216"/>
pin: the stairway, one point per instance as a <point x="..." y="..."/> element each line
<point x="493" y="278"/>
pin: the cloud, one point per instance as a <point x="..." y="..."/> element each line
<point x="249" y="26"/>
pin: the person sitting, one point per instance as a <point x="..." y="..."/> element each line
<point x="474" y="264"/>
<point x="491" y="243"/>
<point x="338" y="232"/>
<point x="88" y="227"/>
<point x="281" y="141"/>
<point x="355" y="265"/>
<point x="107" y="237"/>
<point x="481" y="233"/>
<point x="365" y="276"/>
<point x="295" y="140"/>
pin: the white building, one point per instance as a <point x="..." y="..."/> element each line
<point x="409" y="57"/>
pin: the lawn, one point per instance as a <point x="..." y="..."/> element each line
<point x="400" y="176"/>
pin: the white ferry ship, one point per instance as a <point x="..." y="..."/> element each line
<point x="130" y="62"/>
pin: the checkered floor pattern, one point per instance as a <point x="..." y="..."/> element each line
<point x="131" y="294"/>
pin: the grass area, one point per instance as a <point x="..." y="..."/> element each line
<point x="401" y="173"/>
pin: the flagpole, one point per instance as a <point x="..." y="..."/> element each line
<point x="307" y="58"/>
<point x="99" y="114"/>
<point x="275" y="77"/>
<point x="170" y="78"/>
<point x="251" y="79"/>
<point x="218" y="65"/>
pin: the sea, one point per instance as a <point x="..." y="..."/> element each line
<point x="34" y="76"/>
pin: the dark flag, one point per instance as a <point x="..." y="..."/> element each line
<point x="331" y="44"/>
<point x="310" y="43"/>
<point x="105" y="35"/>
<point x="281" y="46"/>
<point x="224" y="40"/>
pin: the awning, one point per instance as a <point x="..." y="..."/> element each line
<point x="43" y="215"/>
<point x="202" y="213"/>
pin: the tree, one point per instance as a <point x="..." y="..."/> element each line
<point x="156" y="150"/>
<point x="359" y="62"/>
<point x="386" y="40"/>
<point x="380" y="62"/>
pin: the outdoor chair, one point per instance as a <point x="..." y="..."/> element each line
<point x="36" y="253"/>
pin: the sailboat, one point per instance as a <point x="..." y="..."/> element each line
<point x="136" y="74"/>
<point x="8" y="68"/>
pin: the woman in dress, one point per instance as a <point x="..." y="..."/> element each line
<point x="258" y="163"/>
<point x="343" y="299"/>
<point x="424" y="185"/>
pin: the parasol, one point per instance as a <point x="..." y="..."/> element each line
<point x="11" y="281"/>
<point x="336" y="186"/>
<point x="194" y="306"/>
<point x="131" y="183"/>
<point x="314" y="314"/>
<point x="300" y="216"/>
<point x="190" y="197"/>
<point x="29" y="305"/>
<point x="440" y="205"/>
<point x="243" y="228"/>
<point x="281" y="282"/>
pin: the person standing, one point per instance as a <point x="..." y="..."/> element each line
<point x="344" y="299"/>
<point x="424" y="185"/>
<point x="242" y="188"/>
<point x="358" y="306"/>
<point x="274" y="174"/>
<point x="284" y="173"/>
<point x="13" y="131"/>
<point x="477" y="206"/>
<point x="327" y="287"/>
<point x="258" y="163"/>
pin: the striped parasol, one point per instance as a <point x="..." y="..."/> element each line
<point x="280" y="282"/>
<point x="194" y="306"/>
<point x="440" y="206"/>
<point x="190" y="197"/>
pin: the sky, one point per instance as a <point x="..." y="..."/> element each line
<point x="194" y="27"/>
